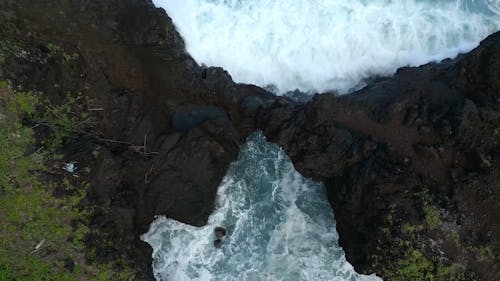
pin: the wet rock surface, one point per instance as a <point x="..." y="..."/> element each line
<point x="220" y="232"/>
<point x="167" y="129"/>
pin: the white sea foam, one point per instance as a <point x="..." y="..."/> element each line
<point x="319" y="45"/>
<point x="494" y="6"/>
<point x="280" y="228"/>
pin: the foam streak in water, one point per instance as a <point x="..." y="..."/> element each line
<point x="280" y="228"/>
<point x="319" y="45"/>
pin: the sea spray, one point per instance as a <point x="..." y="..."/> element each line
<point x="280" y="227"/>
<point x="320" y="45"/>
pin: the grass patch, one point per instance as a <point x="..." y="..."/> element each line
<point x="42" y="236"/>
<point x="432" y="216"/>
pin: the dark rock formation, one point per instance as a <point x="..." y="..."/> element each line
<point x="163" y="140"/>
<point x="220" y="232"/>
<point x="428" y="136"/>
<point x="168" y="128"/>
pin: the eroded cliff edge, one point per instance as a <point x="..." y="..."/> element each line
<point x="410" y="162"/>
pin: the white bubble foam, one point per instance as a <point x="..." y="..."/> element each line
<point x="280" y="228"/>
<point x="319" y="45"/>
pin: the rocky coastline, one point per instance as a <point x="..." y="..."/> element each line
<point x="411" y="162"/>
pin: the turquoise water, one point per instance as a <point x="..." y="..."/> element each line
<point x="280" y="227"/>
<point x="319" y="45"/>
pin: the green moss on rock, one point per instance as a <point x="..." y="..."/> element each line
<point x="402" y="255"/>
<point x="432" y="216"/>
<point x="42" y="236"/>
<point x="416" y="267"/>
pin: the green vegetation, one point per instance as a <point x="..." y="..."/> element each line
<point x="400" y="251"/>
<point x="57" y="52"/>
<point x="455" y="239"/>
<point x="432" y="216"/>
<point x="487" y="160"/>
<point x="412" y="230"/>
<point x="8" y="47"/>
<point x="416" y="267"/>
<point x="42" y="235"/>
<point x="482" y="253"/>
<point x="63" y="121"/>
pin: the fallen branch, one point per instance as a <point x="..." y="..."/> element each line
<point x="38" y="247"/>
<point x="136" y="148"/>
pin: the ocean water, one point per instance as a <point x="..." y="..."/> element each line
<point x="327" y="45"/>
<point x="280" y="227"/>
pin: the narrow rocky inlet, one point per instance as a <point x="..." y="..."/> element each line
<point x="410" y="163"/>
<point x="269" y="223"/>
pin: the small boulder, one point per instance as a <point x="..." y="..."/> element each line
<point x="220" y="232"/>
<point x="218" y="243"/>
